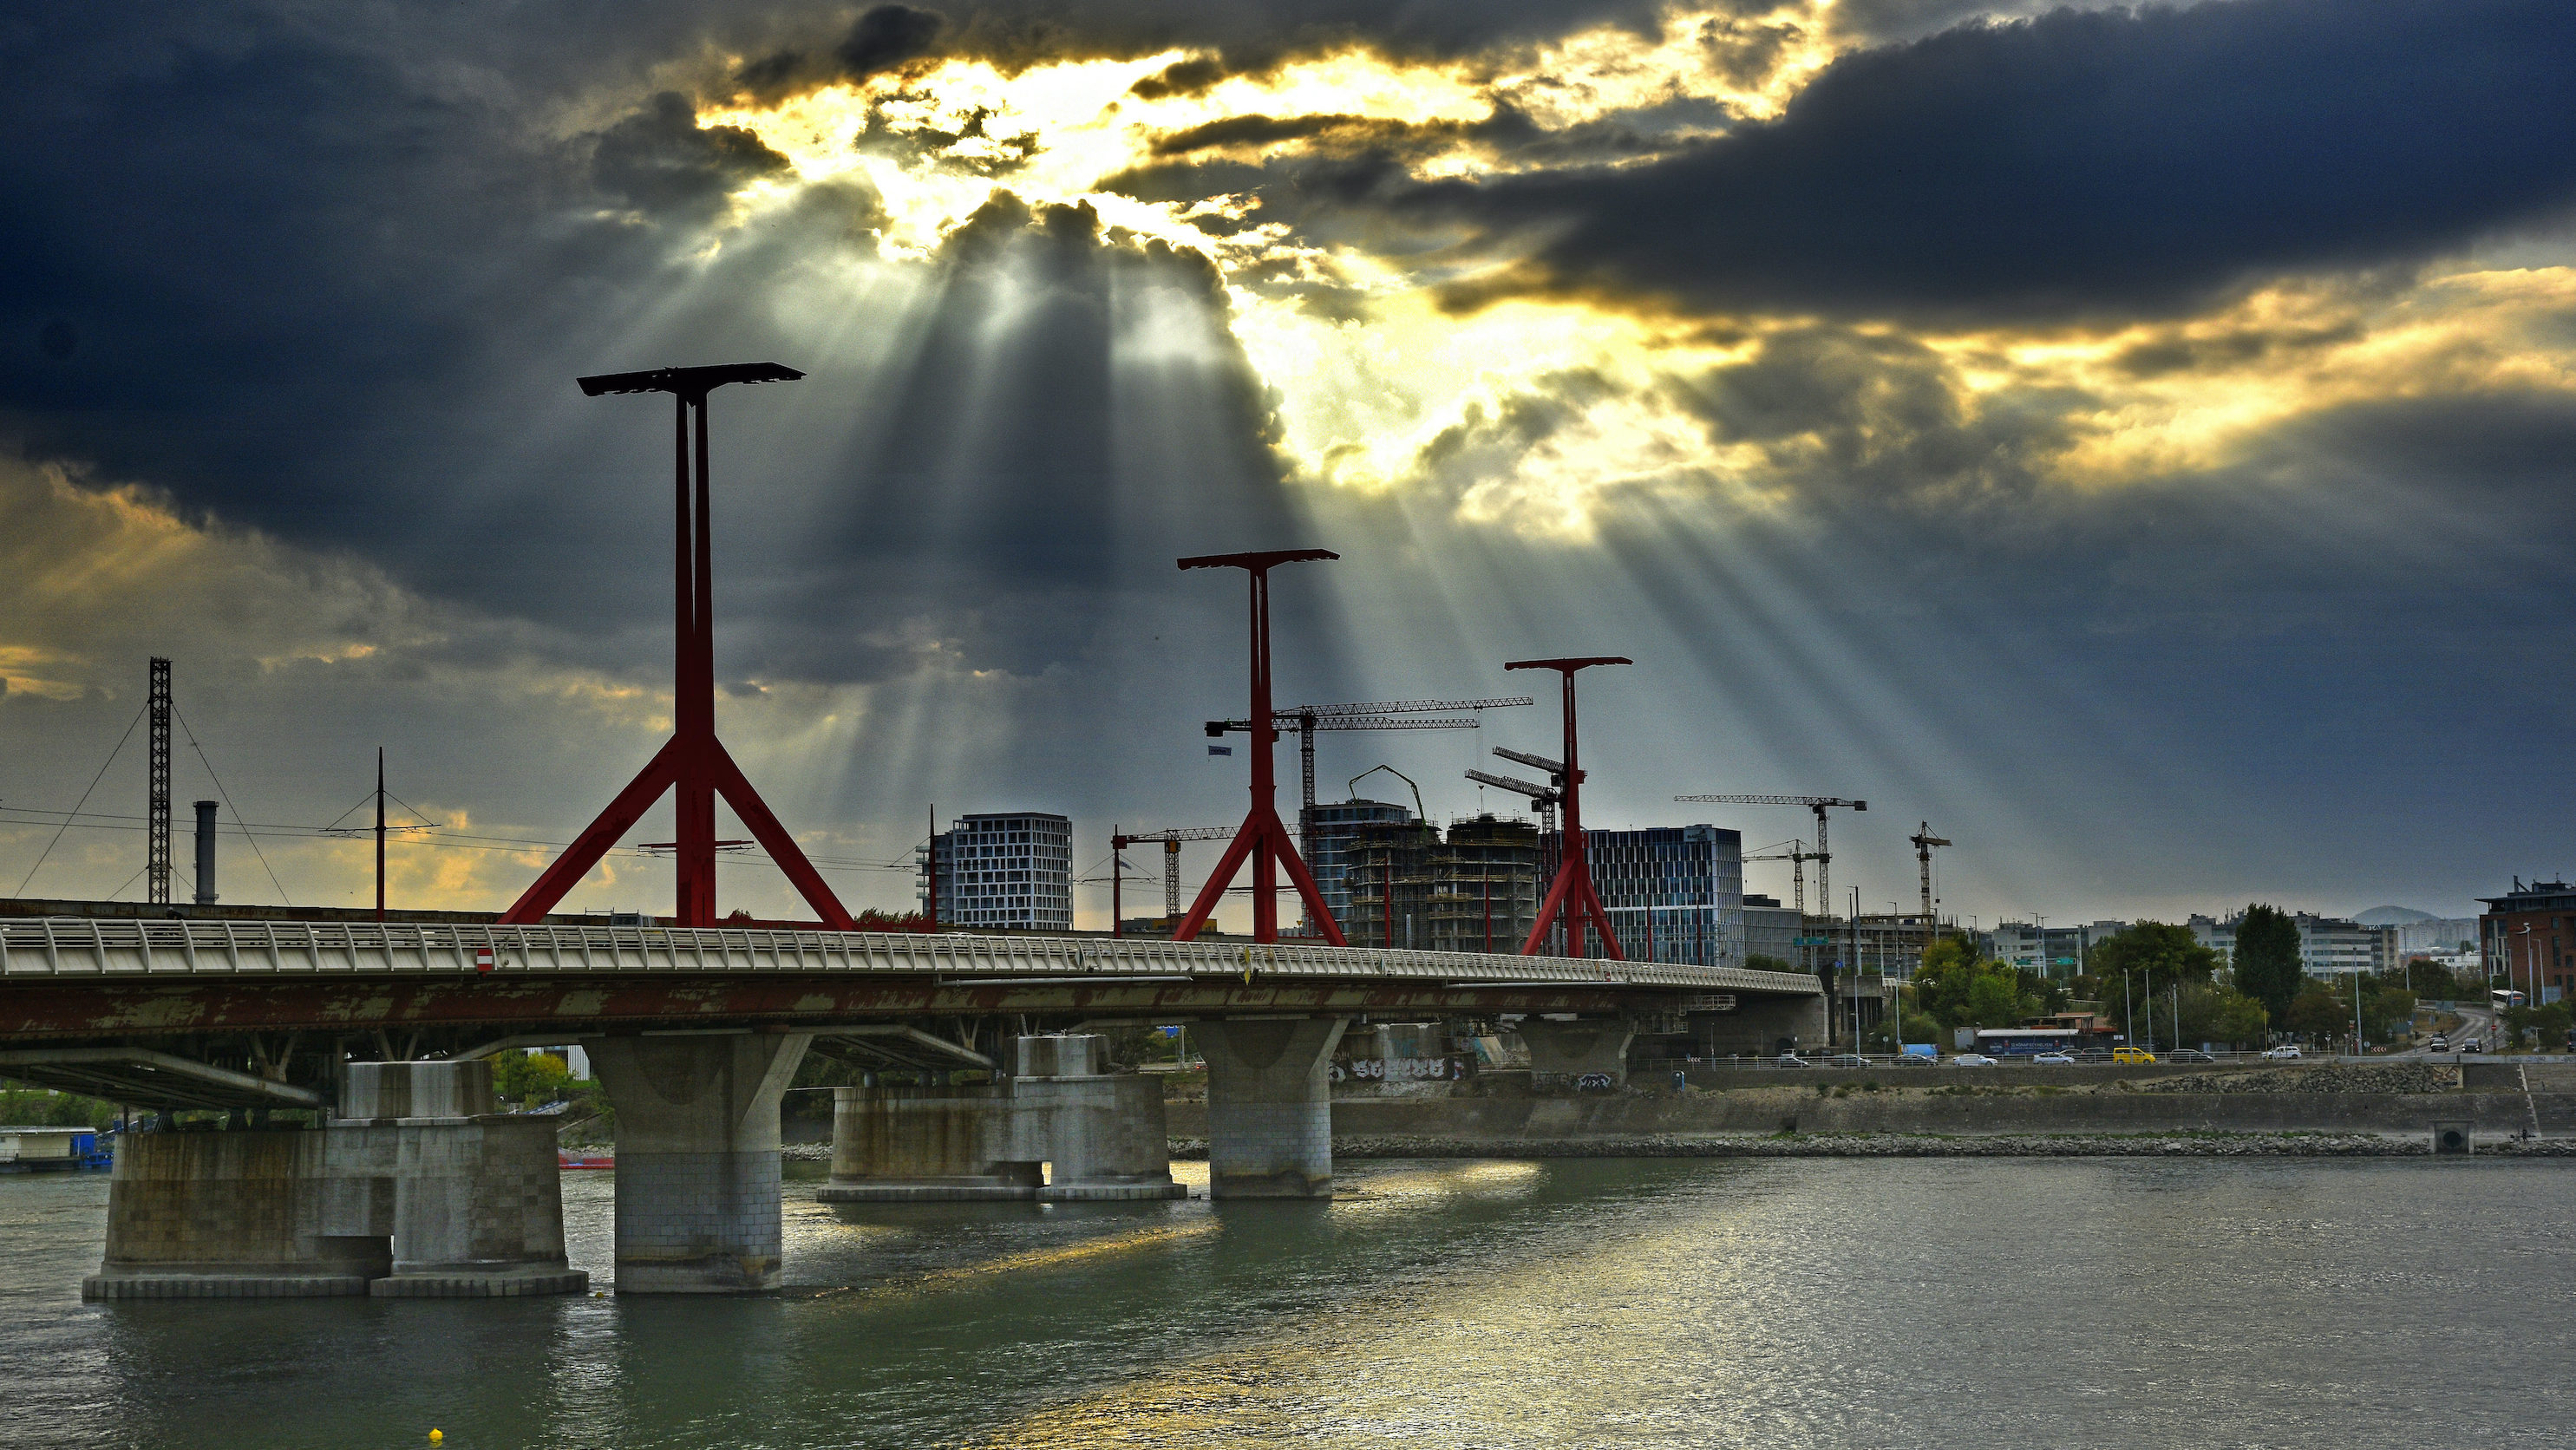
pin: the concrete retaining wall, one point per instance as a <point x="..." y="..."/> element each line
<point x="1772" y="1111"/>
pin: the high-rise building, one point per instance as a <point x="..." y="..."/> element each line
<point x="1007" y="870"/>
<point x="1674" y="893"/>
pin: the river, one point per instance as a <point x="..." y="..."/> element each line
<point x="1786" y="1303"/>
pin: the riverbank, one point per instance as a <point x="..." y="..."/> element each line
<point x="1919" y="1145"/>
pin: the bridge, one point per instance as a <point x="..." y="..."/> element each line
<point x="380" y="1034"/>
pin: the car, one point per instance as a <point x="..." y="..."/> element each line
<point x="2131" y="1054"/>
<point x="1791" y="1059"/>
<point x="2053" y="1059"/>
<point x="1972" y="1059"/>
<point x="2474" y="1044"/>
<point x="2188" y="1054"/>
<point x="1848" y="1059"/>
<point x="1913" y="1059"/>
<point x="2286" y="1052"/>
<point x="2094" y="1054"/>
<point x="2439" y="1043"/>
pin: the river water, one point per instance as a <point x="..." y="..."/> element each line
<point x="1777" y="1303"/>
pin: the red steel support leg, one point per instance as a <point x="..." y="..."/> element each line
<point x="1309" y="893"/>
<point x="696" y="839"/>
<point x="595" y="839"/>
<point x="1210" y="894"/>
<point x="782" y="847"/>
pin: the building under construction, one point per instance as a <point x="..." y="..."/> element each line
<point x="1476" y="891"/>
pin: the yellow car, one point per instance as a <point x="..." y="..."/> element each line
<point x="2131" y="1054"/>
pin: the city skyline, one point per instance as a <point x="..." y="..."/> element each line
<point x="2172" y="526"/>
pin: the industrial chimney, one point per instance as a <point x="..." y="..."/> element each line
<point x="206" y="853"/>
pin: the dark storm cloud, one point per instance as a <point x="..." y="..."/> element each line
<point x="661" y="159"/>
<point x="883" y="39"/>
<point x="2083" y="163"/>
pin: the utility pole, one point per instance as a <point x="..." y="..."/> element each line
<point x="156" y="851"/>
<point x="380" y="835"/>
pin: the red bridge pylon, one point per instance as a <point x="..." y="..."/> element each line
<point x="1571" y="896"/>
<point x="1263" y="838"/>
<point x="693" y="763"/>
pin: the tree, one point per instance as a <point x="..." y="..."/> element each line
<point x="2319" y="1012"/>
<point x="1763" y="962"/>
<point x="2267" y="960"/>
<point x="530" y="1078"/>
<point x="1954" y="989"/>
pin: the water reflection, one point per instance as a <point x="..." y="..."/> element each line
<point x="1493" y="1304"/>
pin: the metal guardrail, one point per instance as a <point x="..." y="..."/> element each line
<point x="93" y="947"/>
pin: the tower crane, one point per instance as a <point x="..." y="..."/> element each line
<point x="1797" y="856"/>
<point x="1171" y="840"/>
<point x="1820" y="804"/>
<point x="1924" y="841"/>
<point x="1309" y="720"/>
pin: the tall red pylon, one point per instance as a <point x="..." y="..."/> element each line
<point x="1263" y="838"/>
<point x="693" y="764"/>
<point x="1571" y="896"/>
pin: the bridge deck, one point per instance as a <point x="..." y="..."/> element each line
<point x="64" y="949"/>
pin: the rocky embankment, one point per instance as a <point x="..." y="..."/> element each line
<point x="1916" y="1145"/>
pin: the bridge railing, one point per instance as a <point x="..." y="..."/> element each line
<point x="131" y="947"/>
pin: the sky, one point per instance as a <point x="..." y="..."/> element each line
<point x="2135" y="442"/>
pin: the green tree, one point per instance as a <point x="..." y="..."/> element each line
<point x="530" y="1079"/>
<point x="2267" y="960"/>
<point x="2319" y="1012"/>
<point x="1763" y="962"/>
<point x="2214" y="1012"/>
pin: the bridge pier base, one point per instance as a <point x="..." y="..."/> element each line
<point x="697" y="1157"/>
<point x="421" y="1191"/>
<point x="1563" y="1054"/>
<point x="1101" y="1134"/>
<point x="1270" y="1106"/>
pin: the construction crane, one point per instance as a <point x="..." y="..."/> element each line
<point x="1819" y="804"/>
<point x="1924" y="841"/>
<point x="1171" y="840"/>
<point x="1797" y="856"/>
<point x="1546" y="798"/>
<point x="1309" y="720"/>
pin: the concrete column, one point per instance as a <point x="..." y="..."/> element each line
<point x="1563" y="1054"/>
<point x="697" y="1157"/>
<point x="1270" y="1107"/>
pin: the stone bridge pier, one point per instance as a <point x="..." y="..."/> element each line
<point x="697" y="1157"/>
<point x="1270" y="1105"/>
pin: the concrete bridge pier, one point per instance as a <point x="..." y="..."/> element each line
<point x="418" y="1190"/>
<point x="1102" y="1135"/>
<point x="697" y="1157"/>
<point x="926" y="1144"/>
<point x="1563" y="1054"/>
<point x="1270" y="1106"/>
<point x="476" y="1201"/>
